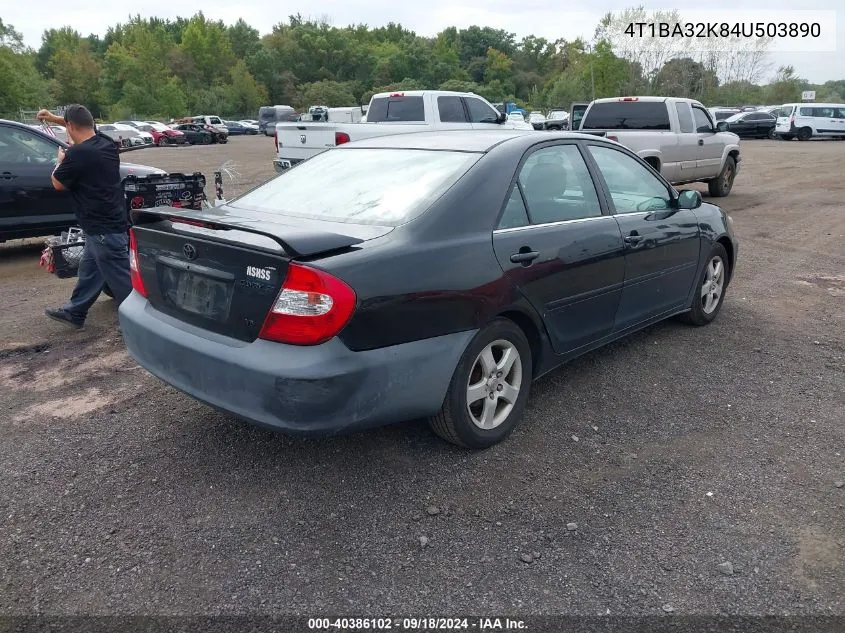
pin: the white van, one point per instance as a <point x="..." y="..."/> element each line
<point x="806" y="120"/>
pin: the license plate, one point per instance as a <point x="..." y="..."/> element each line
<point x="203" y="296"/>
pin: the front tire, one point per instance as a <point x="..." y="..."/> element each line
<point x="710" y="289"/>
<point x="489" y="388"/>
<point x="721" y="186"/>
<point x="805" y="134"/>
<point x="162" y="141"/>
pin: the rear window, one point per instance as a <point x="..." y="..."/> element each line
<point x="627" y="115"/>
<point x="785" y="111"/>
<point x="389" y="109"/>
<point x="334" y="185"/>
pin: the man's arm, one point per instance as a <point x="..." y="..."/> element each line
<point x="66" y="170"/>
<point x="46" y="115"/>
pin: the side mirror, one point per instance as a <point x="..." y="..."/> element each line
<point x="721" y="126"/>
<point x="501" y="118"/>
<point x="689" y="199"/>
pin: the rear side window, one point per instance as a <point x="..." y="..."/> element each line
<point x="399" y="109"/>
<point x="627" y="115"/>
<point x="515" y="214"/>
<point x="451" y="110"/>
<point x="329" y="186"/>
<point x="785" y="111"/>
<point x="685" y="117"/>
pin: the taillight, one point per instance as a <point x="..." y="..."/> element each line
<point x="629" y="98"/>
<point x="340" y="138"/>
<point x="312" y="307"/>
<point x="134" y="270"/>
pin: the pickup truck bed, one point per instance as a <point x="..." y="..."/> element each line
<point x="388" y="114"/>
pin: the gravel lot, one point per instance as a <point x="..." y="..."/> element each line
<point x="640" y="469"/>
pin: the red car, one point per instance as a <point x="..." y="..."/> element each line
<point x="163" y="135"/>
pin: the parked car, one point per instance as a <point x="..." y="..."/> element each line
<point x="236" y="128"/>
<point x="806" y="120"/>
<point x="212" y="121"/>
<point x="163" y="135"/>
<point x="722" y="114"/>
<point x="391" y="113"/>
<point x="557" y="119"/>
<point x="519" y="122"/>
<point x="124" y="136"/>
<point x="253" y="122"/>
<point x="537" y="120"/>
<point x="268" y="116"/>
<point x="29" y="205"/>
<point x="752" y="124"/>
<point x="322" y="302"/>
<point x="144" y="138"/>
<point x="195" y="134"/>
<point x="675" y="136"/>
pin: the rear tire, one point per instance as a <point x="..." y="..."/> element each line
<point x="496" y="363"/>
<point x="206" y="139"/>
<point x="805" y="134"/>
<point x="713" y="281"/>
<point x="721" y="186"/>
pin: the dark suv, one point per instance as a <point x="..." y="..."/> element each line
<point x="29" y="205"/>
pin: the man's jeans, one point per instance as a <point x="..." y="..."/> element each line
<point x="105" y="261"/>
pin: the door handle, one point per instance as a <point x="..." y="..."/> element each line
<point x="701" y="141"/>
<point x="633" y="238"/>
<point x="525" y="256"/>
<point x="7" y="175"/>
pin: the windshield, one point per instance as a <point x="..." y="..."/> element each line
<point x="336" y="186"/>
<point x="158" y="127"/>
<point x="558" y="114"/>
<point x="735" y="118"/>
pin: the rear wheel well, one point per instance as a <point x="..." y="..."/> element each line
<point x="729" y="249"/>
<point x="528" y="328"/>
<point x="734" y="153"/>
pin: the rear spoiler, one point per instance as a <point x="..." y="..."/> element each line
<point x="307" y="243"/>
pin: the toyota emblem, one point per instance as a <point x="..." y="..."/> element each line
<point x="302" y="139"/>
<point x="189" y="251"/>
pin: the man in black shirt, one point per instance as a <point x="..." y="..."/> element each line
<point x="90" y="171"/>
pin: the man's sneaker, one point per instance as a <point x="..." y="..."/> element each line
<point x="63" y="316"/>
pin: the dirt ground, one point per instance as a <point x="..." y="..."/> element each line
<point x="638" y="471"/>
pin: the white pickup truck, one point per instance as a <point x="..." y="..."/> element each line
<point x="389" y="113"/>
<point x="677" y="137"/>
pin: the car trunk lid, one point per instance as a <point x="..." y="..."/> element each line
<point x="224" y="276"/>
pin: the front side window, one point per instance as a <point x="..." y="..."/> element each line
<point x="480" y="112"/>
<point x="632" y="186"/>
<point x="558" y="186"/>
<point x="330" y="186"/>
<point x="703" y="124"/>
<point x="22" y="147"/>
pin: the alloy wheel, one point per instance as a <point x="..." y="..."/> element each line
<point x="494" y="384"/>
<point x="713" y="286"/>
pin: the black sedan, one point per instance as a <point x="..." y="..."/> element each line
<point x="460" y="267"/>
<point x="29" y="205"/>
<point x="195" y="134"/>
<point x="752" y="124"/>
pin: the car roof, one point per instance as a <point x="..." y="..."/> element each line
<point x="480" y="141"/>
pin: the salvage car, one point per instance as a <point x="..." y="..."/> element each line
<point x="322" y="302"/>
<point x="752" y="124"/>
<point x="195" y="134"/>
<point x="29" y="205"/>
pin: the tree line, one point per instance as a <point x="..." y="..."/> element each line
<point x="168" y="68"/>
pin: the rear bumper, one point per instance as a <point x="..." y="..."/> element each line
<point x="319" y="390"/>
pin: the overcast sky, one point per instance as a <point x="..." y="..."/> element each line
<point x="544" y="18"/>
